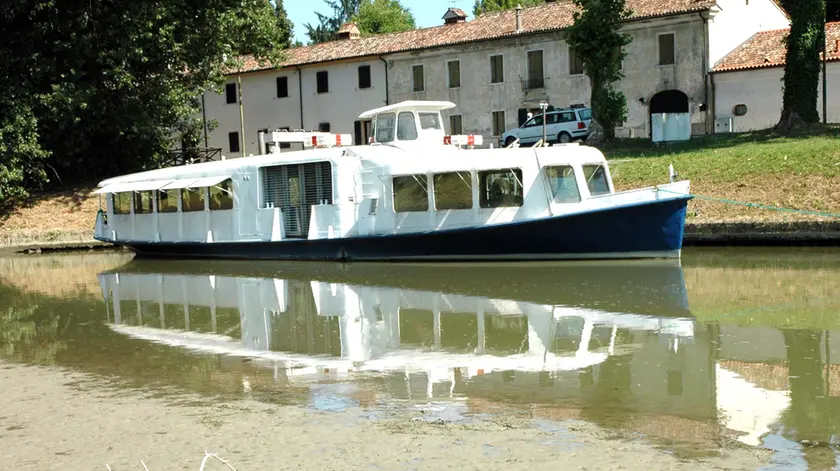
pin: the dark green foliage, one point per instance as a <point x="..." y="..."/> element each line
<point x="328" y="26"/>
<point x="96" y="89"/>
<point x="802" y="64"/>
<point x="284" y="25"/>
<point x="482" y="6"/>
<point x="383" y="16"/>
<point x="595" y="38"/>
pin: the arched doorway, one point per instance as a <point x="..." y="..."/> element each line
<point x="667" y="101"/>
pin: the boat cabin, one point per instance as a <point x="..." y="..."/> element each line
<point x="412" y="177"/>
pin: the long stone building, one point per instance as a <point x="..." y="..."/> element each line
<point x="495" y="68"/>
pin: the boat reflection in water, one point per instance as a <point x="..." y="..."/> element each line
<point x="310" y="324"/>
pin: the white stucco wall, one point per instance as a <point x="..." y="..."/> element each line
<point x="761" y="91"/>
<point x="340" y="106"/>
<point x="477" y="97"/>
<point x="738" y="20"/>
<point x="344" y="102"/>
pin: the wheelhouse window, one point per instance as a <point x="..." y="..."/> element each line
<point x="596" y="179"/>
<point x="411" y="193"/>
<point x="143" y="202"/>
<point x="122" y="203"/>
<point x="561" y="181"/>
<point x="385" y="124"/>
<point x="406" y="127"/>
<point x="192" y="199"/>
<point x="221" y="195"/>
<point x="429" y="120"/>
<point x="500" y="188"/>
<point x="453" y="190"/>
<point x="167" y="201"/>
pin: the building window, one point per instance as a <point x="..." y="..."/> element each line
<point x="233" y="141"/>
<point x="497" y="69"/>
<point x="324" y="127"/>
<point x="500" y="188"/>
<point x="453" y="190"/>
<point x="282" y="87"/>
<point x="455" y="124"/>
<point x="535" y="69"/>
<point x="221" y="195"/>
<point x="167" y="201"/>
<point x="323" y="81"/>
<point x="230" y="93"/>
<point x="667" y="49"/>
<point x="575" y="63"/>
<point x="454" y="68"/>
<point x="364" y="76"/>
<point x="411" y="193"/>
<point x="561" y="180"/>
<point x="498" y="127"/>
<point x="739" y="110"/>
<point x="417" y="78"/>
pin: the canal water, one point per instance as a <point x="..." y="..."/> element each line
<point x="728" y="346"/>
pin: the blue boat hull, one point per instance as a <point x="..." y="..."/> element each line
<point x="648" y="230"/>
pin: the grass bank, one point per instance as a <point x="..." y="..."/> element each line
<point x="799" y="171"/>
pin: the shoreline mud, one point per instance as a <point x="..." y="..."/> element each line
<point x="55" y="418"/>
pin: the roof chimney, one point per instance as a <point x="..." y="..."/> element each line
<point x="518" y="18"/>
<point x="348" y="31"/>
<point x="454" y="15"/>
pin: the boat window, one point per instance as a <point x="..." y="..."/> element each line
<point x="192" y="199"/>
<point x="142" y="202"/>
<point x="221" y="195"/>
<point x="406" y="127"/>
<point x="122" y="203"/>
<point x="385" y="124"/>
<point x="500" y="188"/>
<point x="167" y="201"/>
<point x="429" y="121"/>
<point x="561" y="180"/>
<point x="453" y="190"/>
<point x="411" y="193"/>
<point x="596" y="179"/>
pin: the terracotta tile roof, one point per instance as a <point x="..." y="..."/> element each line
<point x="551" y="16"/>
<point x="767" y="49"/>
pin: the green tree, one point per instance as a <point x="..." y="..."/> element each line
<point x="328" y="26"/>
<point x="482" y="6"/>
<point x="595" y="39"/>
<point x="383" y="16"/>
<point x="802" y="64"/>
<point x="284" y="25"/>
<point x="94" y="89"/>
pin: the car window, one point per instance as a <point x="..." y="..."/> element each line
<point x="535" y="121"/>
<point x="567" y="116"/>
<point x="585" y="114"/>
<point x="552" y="118"/>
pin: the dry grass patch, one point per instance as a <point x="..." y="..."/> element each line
<point x="59" y="211"/>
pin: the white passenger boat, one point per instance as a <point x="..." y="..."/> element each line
<point x="412" y="193"/>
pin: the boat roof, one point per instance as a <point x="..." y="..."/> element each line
<point x="413" y="105"/>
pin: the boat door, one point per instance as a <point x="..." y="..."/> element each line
<point x="247" y="210"/>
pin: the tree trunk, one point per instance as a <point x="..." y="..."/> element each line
<point x="596" y="133"/>
<point x="802" y="64"/>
